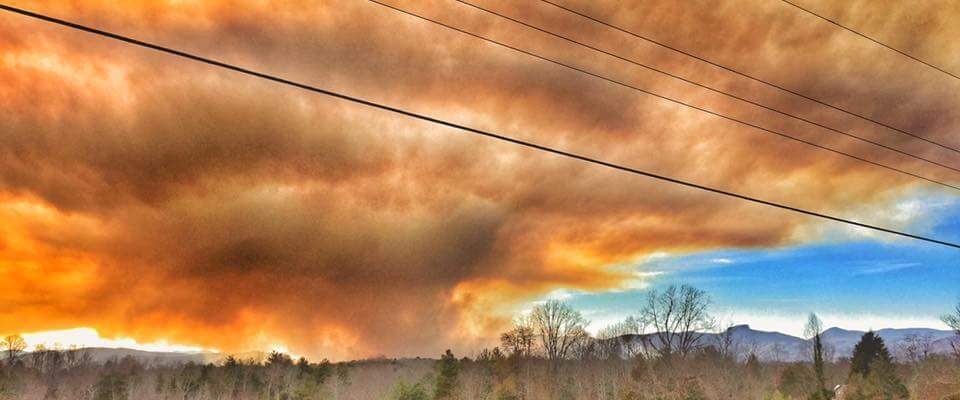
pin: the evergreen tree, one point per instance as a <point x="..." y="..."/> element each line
<point x="872" y="373"/>
<point x="448" y="369"/>
<point x="323" y="371"/>
<point x="870" y="348"/>
<point x="813" y="330"/>
<point x="404" y="391"/>
<point x="303" y="367"/>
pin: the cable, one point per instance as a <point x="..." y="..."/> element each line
<point x="662" y="97"/>
<point x="372" y="104"/>
<point x="755" y="79"/>
<point x="640" y="64"/>
<point x="872" y="39"/>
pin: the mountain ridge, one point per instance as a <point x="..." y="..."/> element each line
<point x="839" y="342"/>
<point x="767" y="345"/>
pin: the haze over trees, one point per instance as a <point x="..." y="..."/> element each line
<point x="672" y="349"/>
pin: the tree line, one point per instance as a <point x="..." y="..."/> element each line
<point x="660" y="353"/>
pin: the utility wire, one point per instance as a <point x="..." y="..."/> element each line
<point x="488" y="134"/>
<point x="871" y="39"/>
<point x="669" y="99"/>
<point x="718" y="91"/>
<point x="755" y="79"/>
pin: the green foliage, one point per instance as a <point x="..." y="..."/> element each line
<point x="322" y="371"/>
<point x="776" y="395"/>
<point x="303" y="367"/>
<point x="881" y="383"/>
<point x="504" y="394"/>
<point x="404" y="391"/>
<point x="869" y="349"/>
<point x="448" y="369"/>
<point x="820" y="392"/>
<point x="310" y="390"/>
<point x="279" y="359"/>
<point x="231" y="362"/>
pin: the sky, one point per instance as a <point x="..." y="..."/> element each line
<point x="150" y="201"/>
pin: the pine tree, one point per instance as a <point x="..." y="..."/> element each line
<point x="818" y="369"/>
<point x="814" y="330"/>
<point x="872" y="373"/>
<point x="870" y="348"/>
<point x="449" y="368"/>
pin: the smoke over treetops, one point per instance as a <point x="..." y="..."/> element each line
<point x="150" y="197"/>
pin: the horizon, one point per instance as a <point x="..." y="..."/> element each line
<point x="93" y="341"/>
<point x="153" y="201"/>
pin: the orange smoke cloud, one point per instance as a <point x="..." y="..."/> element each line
<point x="152" y="198"/>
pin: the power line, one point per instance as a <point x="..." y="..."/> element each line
<point x="733" y="96"/>
<point x="872" y="39"/>
<point x="755" y="79"/>
<point x="372" y="104"/>
<point x="663" y="97"/>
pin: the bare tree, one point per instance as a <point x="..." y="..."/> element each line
<point x="725" y="342"/>
<point x="588" y="348"/>
<point x="916" y="348"/>
<point x="679" y="317"/>
<point x="559" y="327"/>
<point x="621" y="339"/>
<point x="520" y="339"/>
<point x="776" y="352"/>
<point x="13" y="345"/>
<point x="953" y="321"/>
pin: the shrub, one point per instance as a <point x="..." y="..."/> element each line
<point x="403" y="391"/>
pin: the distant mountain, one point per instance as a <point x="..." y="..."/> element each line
<point x="768" y="346"/>
<point x="842" y="341"/>
<point x="102" y="354"/>
<point x="776" y="346"/>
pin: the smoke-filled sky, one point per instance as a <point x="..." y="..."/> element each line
<point x="155" y="199"/>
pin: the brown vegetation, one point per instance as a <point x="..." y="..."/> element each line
<point x="548" y="355"/>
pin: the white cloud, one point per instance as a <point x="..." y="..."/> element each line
<point x="917" y="211"/>
<point x="884" y="268"/>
